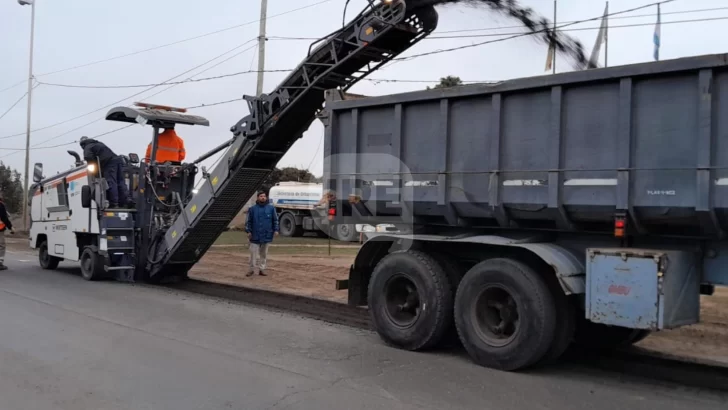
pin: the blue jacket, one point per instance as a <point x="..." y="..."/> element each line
<point x="262" y="222"/>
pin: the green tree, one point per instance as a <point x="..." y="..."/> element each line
<point x="11" y="188"/>
<point x="447" y="82"/>
<point x="288" y="174"/>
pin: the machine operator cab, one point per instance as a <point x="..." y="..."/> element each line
<point x="169" y="184"/>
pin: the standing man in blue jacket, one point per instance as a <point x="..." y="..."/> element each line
<point x="261" y="226"/>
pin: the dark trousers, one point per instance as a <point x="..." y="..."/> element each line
<point x="116" y="194"/>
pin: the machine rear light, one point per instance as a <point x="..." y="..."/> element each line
<point x="620" y="226"/>
<point x="332" y="213"/>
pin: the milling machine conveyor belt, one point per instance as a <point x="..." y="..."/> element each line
<point x="277" y="120"/>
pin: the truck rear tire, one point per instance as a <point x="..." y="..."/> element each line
<point x="288" y="226"/>
<point x="47" y="261"/>
<point x="505" y="314"/>
<point x="92" y="265"/>
<point x="454" y="271"/>
<point x="565" y="324"/>
<point x="410" y="300"/>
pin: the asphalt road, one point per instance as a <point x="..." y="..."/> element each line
<point x="70" y="344"/>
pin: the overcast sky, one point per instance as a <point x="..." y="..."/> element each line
<point x="75" y="32"/>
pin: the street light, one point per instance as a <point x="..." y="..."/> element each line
<point x="30" y="91"/>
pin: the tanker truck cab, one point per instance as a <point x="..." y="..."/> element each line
<point x="71" y="219"/>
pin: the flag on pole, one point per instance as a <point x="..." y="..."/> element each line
<point x="550" y="58"/>
<point x="656" y="36"/>
<point x="601" y="38"/>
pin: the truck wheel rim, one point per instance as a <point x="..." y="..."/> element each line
<point x="344" y="230"/>
<point x="86" y="263"/>
<point x="287" y="225"/>
<point x="402" y="300"/>
<point x="495" y="316"/>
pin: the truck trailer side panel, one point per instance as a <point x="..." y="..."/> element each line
<point x="565" y="152"/>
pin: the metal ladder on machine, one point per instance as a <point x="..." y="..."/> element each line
<point x="277" y="120"/>
<point x="118" y="242"/>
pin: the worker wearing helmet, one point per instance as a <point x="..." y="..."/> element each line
<point x="111" y="166"/>
<point x="4" y="225"/>
<point x="170" y="147"/>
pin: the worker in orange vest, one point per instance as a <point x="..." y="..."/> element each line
<point x="169" y="148"/>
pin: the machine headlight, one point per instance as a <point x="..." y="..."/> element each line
<point x="91" y="168"/>
<point x="195" y="191"/>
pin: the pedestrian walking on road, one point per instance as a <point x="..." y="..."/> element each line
<point x="4" y="225"/>
<point x="261" y="225"/>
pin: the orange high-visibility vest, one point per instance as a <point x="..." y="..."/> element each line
<point x="169" y="148"/>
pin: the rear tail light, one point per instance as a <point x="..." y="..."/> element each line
<point x="620" y="227"/>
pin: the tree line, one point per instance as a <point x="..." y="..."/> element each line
<point x="289" y="174"/>
<point x="11" y="188"/>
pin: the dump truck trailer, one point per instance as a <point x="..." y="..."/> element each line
<point x="587" y="207"/>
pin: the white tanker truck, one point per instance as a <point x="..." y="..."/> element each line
<point x="300" y="209"/>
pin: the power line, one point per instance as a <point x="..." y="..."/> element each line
<point x="205" y="70"/>
<point x="524" y="34"/>
<point x="321" y="140"/>
<point x="223" y="76"/>
<point x="16" y="150"/>
<point x="559" y="28"/>
<point x="125" y="98"/>
<point x="215" y="103"/>
<point x="588" y="28"/>
<point x="14" y="85"/>
<point x="704" y="19"/>
<point x="17" y="102"/>
<point x="615" y="18"/>
<point x="217" y="77"/>
<point x="173" y="43"/>
<point x="150" y="96"/>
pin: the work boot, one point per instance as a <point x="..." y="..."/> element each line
<point x="3" y="267"/>
<point x="261" y="273"/>
<point x="250" y="273"/>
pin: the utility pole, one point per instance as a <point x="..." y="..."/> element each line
<point x="606" y="36"/>
<point x="554" y="45"/>
<point x="261" y="46"/>
<point x="27" y="131"/>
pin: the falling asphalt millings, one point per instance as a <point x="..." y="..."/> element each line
<point x="541" y="27"/>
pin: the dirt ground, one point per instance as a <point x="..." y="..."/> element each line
<point x="315" y="276"/>
<point x="300" y="274"/>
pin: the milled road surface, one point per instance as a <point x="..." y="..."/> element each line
<point x="70" y="344"/>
